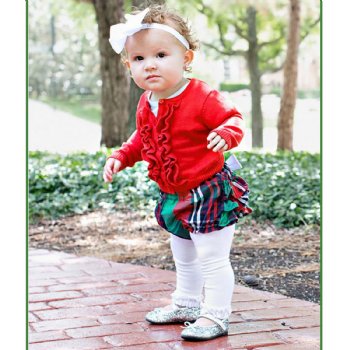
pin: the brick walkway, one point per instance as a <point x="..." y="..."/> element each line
<point x="88" y="303"/>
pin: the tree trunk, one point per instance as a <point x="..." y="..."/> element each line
<point x="115" y="80"/>
<point x="135" y="91"/>
<point x="255" y="83"/>
<point x="288" y="100"/>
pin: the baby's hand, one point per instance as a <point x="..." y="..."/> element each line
<point x="111" y="167"/>
<point x="216" y="141"/>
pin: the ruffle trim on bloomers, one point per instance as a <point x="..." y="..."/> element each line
<point x="236" y="194"/>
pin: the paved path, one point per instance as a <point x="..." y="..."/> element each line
<point x="59" y="132"/>
<point x="88" y="303"/>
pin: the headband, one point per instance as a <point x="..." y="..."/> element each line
<point x="121" y="31"/>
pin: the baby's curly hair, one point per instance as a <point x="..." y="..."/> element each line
<point x="161" y="14"/>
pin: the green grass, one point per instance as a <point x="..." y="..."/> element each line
<point x="82" y="108"/>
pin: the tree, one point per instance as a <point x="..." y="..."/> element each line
<point x="260" y="26"/>
<point x="288" y="100"/>
<point x="115" y="80"/>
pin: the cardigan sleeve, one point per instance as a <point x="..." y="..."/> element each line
<point x="224" y="119"/>
<point x="130" y="151"/>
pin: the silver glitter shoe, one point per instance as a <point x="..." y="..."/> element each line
<point x="193" y="332"/>
<point x="175" y="315"/>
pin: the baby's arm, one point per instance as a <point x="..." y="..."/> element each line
<point x="111" y="167"/>
<point x="216" y="142"/>
<point x="127" y="155"/>
<point x="224" y="121"/>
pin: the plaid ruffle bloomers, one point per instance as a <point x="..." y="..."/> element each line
<point x="216" y="203"/>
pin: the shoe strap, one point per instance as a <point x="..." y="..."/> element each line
<point x="214" y="319"/>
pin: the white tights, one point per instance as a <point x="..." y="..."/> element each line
<point x="204" y="261"/>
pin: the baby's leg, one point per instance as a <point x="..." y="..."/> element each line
<point x="213" y="250"/>
<point x="189" y="280"/>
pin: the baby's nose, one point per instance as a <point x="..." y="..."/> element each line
<point x="150" y="65"/>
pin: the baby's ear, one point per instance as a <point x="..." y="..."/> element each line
<point x="189" y="54"/>
<point x="126" y="62"/>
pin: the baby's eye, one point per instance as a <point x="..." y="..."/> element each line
<point x="138" y="58"/>
<point x="161" y="54"/>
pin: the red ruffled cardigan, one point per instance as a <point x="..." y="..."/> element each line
<point x="175" y="142"/>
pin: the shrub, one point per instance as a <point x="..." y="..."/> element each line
<point x="232" y="87"/>
<point x="285" y="187"/>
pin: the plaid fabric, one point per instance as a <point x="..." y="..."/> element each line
<point x="213" y="205"/>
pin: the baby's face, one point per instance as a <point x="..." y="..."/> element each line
<point x="156" y="60"/>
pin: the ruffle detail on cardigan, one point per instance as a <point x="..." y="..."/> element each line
<point x="169" y="165"/>
<point x="149" y="152"/>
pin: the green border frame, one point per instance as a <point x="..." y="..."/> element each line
<point x="27" y="190"/>
<point x="321" y="177"/>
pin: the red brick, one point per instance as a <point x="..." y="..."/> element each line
<point x="253" y="340"/>
<point x="271" y="303"/>
<point x="138" y="338"/>
<point x="129" y="289"/>
<point x="221" y="343"/>
<point x="61" y="274"/>
<point x="255" y="327"/>
<point x="250" y="305"/>
<point x="148" y="327"/>
<point x="302" y="335"/>
<point x="162" y="297"/>
<point x="290" y="302"/>
<point x="105" y="278"/>
<point x="239" y="289"/>
<point x="33" y="290"/>
<point x="50" y="258"/>
<point x="304" y="346"/>
<point x="80" y="286"/>
<point x="34" y="252"/>
<point x="255" y="295"/>
<point x="41" y="282"/>
<point x="70" y="344"/>
<point x="54" y="296"/>
<point x="66" y="323"/>
<point x="134" y="307"/>
<point x="129" y="317"/>
<point x="146" y="280"/>
<point x="81" y="265"/>
<point x="105" y="330"/>
<point x="91" y="301"/>
<point x="275" y="314"/>
<point x="44" y="269"/>
<point x="150" y="346"/>
<point x="89" y="311"/>
<point x="234" y="318"/>
<point x="46" y="336"/>
<point x="303" y="322"/>
<point x="79" y="260"/>
<point x="31" y="317"/>
<point x="236" y="342"/>
<point x="38" y="306"/>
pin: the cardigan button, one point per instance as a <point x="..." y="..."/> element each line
<point x="161" y="101"/>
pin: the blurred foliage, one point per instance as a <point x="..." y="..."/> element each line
<point x="63" y="56"/>
<point x="232" y="87"/>
<point x="285" y="187"/>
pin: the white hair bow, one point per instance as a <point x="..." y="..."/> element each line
<point x="120" y="32"/>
